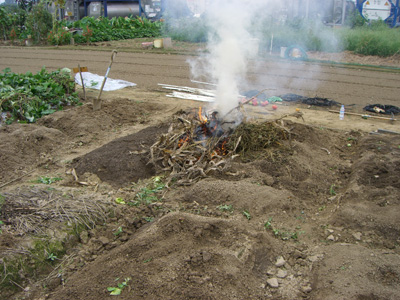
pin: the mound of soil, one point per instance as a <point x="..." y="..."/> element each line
<point x="23" y="146"/>
<point x="181" y="256"/>
<point x="122" y="161"/>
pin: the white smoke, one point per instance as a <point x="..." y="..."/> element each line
<point x="230" y="47"/>
<point x="236" y="27"/>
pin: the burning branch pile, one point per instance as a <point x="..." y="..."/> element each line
<point x="197" y="146"/>
<point x="194" y="147"/>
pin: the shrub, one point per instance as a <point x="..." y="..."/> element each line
<point x="38" y="23"/>
<point x="87" y="33"/>
<point x="11" y="17"/>
<point x="13" y="35"/>
<point x="59" y="36"/>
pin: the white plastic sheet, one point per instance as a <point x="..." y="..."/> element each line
<point x="94" y="81"/>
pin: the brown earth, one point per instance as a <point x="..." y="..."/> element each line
<point x="318" y="217"/>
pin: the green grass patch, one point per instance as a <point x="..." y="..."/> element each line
<point x="33" y="264"/>
<point x="378" y="40"/>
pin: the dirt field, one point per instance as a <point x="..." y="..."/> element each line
<point x="314" y="217"/>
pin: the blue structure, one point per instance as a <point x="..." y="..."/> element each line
<point x="396" y="15"/>
<point x="393" y="19"/>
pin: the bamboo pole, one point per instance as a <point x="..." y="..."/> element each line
<point x="364" y="116"/>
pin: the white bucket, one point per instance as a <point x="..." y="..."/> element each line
<point x="158" y="43"/>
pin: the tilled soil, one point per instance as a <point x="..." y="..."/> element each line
<point x="317" y="219"/>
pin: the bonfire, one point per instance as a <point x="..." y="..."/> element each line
<point x="199" y="144"/>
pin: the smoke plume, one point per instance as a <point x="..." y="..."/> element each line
<point x="236" y="28"/>
<point x="230" y="47"/>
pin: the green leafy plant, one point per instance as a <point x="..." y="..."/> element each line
<point x="117" y="28"/>
<point x="268" y="224"/>
<point x="93" y="83"/>
<point x="52" y="257"/>
<point x="59" y="36"/>
<point x="150" y="193"/>
<point x="246" y="214"/>
<point x="225" y="207"/>
<point x="48" y="180"/>
<point x="149" y="219"/>
<point x="119" y="200"/>
<point x="283" y="234"/>
<point x="332" y="191"/>
<point x="1" y="223"/>
<point x="118" y="231"/>
<point x="115" y="291"/>
<point x="28" y="97"/>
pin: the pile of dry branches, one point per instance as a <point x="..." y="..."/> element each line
<point x="186" y="158"/>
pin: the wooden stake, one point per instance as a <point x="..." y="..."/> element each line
<point x="97" y="102"/>
<point x="83" y="84"/>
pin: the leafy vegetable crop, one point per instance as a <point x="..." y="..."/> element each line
<point x="27" y="97"/>
<point x="104" y="29"/>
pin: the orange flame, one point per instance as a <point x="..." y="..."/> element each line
<point x="201" y="118"/>
<point x="183" y="140"/>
